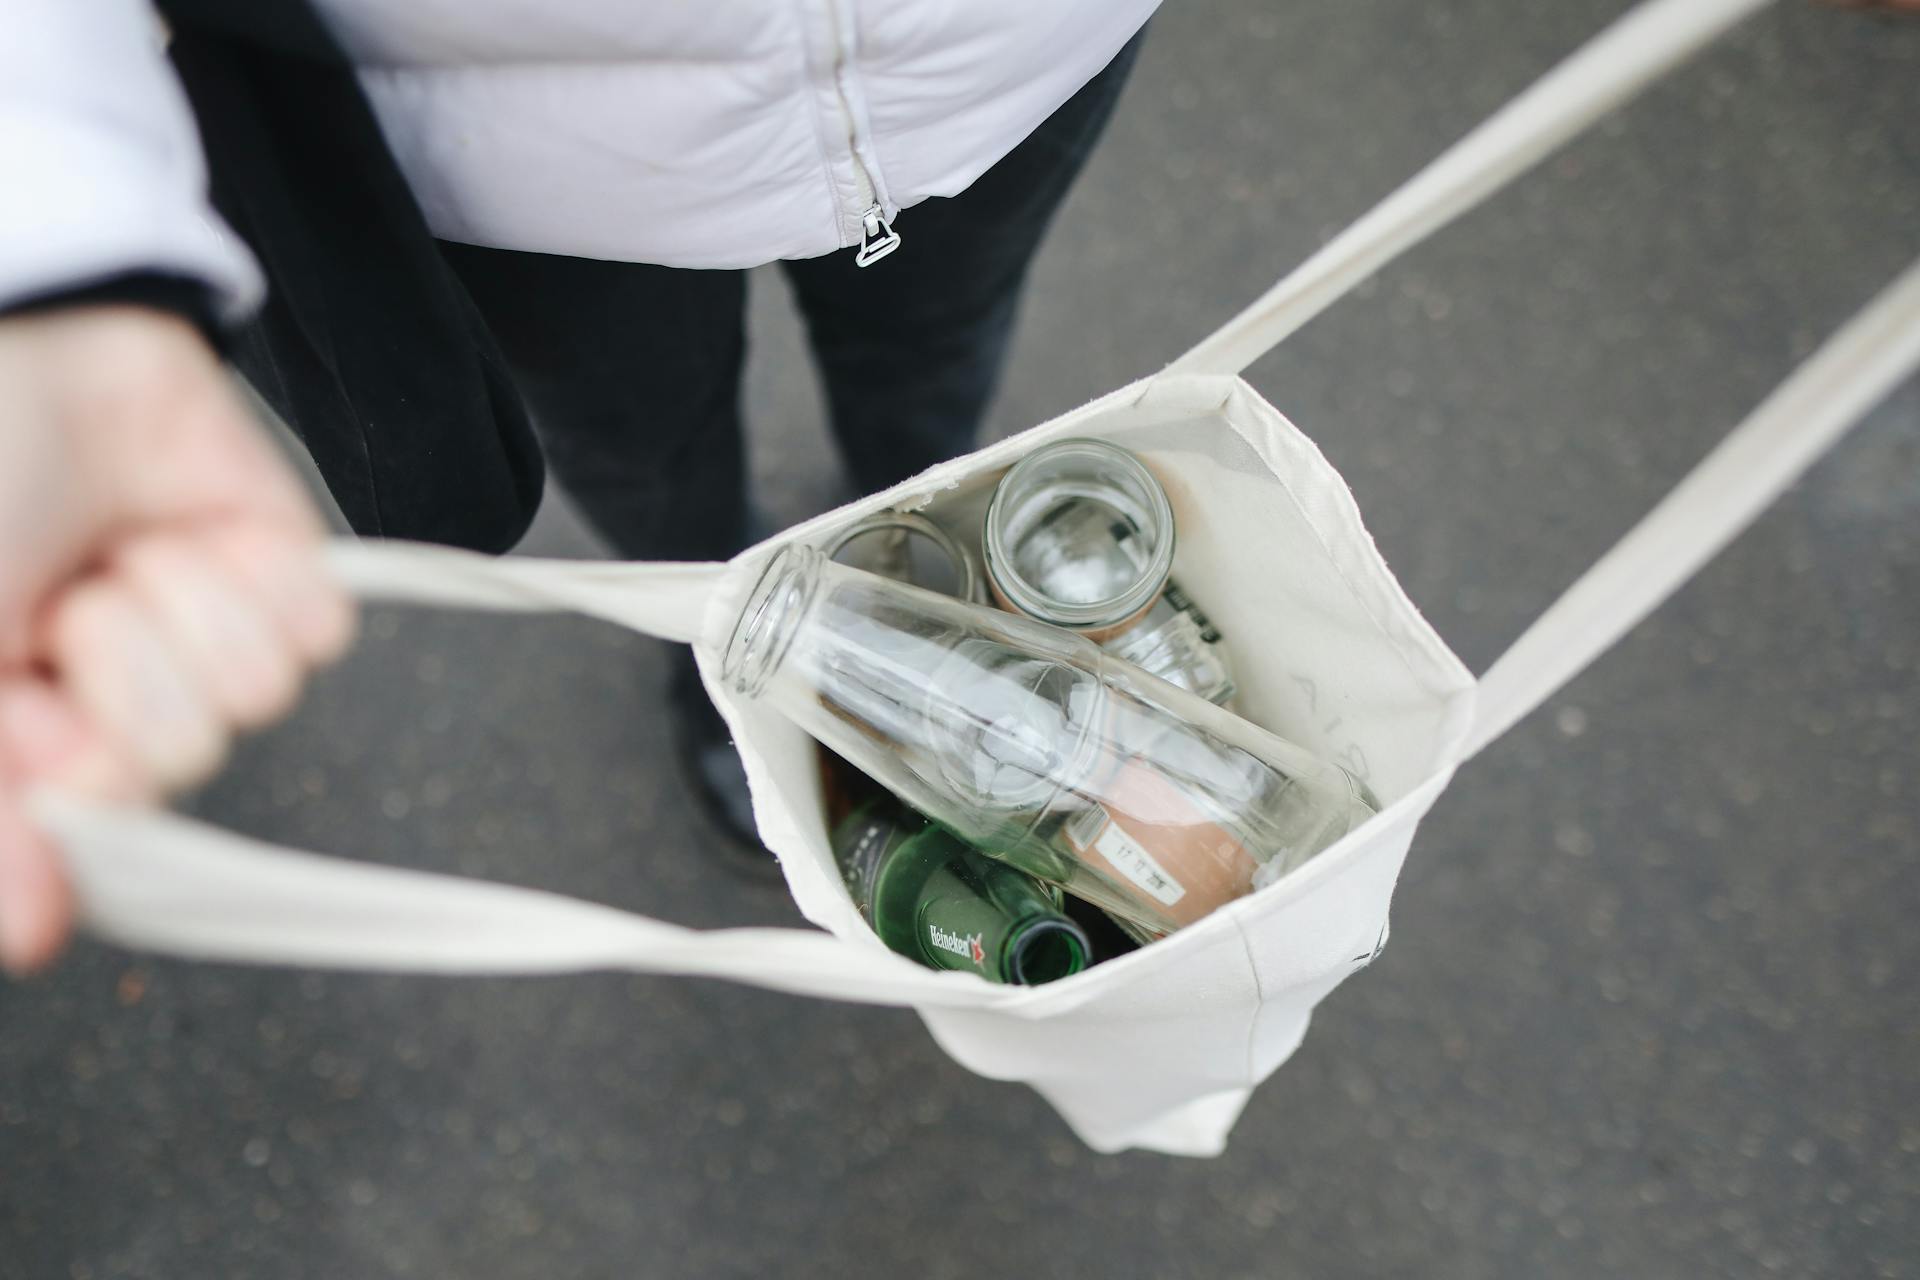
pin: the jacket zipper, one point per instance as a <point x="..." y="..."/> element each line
<point x="877" y="236"/>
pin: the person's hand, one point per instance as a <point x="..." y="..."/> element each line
<point x="161" y="584"/>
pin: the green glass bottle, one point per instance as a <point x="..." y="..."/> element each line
<point x="936" y="900"/>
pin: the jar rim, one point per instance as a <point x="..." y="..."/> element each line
<point x="966" y="577"/>
<point x="1146" y="506"/>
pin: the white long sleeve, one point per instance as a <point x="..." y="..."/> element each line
<point x="101" y="170"/>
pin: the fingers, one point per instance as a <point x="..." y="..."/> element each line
<point x="188" y="637"/>
<point x="36" y="907"/>
<point x="38" y="738"/>
<point x="134" y="683"/>
<point x="222" y="632"/>
<point x="288" y="578"/>
<point x="46" y="740"/>
<point x="142" y="674"/>
<point x="162" y="587"/>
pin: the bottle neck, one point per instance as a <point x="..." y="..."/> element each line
<point x="770" y="620"/>
<point x="982" y="916"/>
<point x="1044" y="948"/>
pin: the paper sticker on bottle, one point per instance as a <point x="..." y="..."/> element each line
<point x="1131" y="860"/>
<point x="1151" y="837"/>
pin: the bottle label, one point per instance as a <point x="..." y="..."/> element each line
<point x="1149" y="836"/>
<point x="1183" y="603"/>
<point x="1095" y="831"/>
<point x="966" y="946"/>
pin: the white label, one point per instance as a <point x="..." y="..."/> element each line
<point x="967" y="948"/>
<point x="1132" y="860"/>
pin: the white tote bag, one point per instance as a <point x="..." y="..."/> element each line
<point x="1160" y="1048"/>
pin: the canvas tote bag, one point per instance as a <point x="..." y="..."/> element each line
<point x="1160" y="1048"/>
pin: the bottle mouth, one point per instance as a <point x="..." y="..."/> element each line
<point x="1035" y="492"/>
<point x="769" y="620"/>
<point x="1047" y="950"/>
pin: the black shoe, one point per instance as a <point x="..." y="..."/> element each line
<point x="714" y="770"/>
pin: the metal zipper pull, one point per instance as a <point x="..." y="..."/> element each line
<point x="877" y="239"/>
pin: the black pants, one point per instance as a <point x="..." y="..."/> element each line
<point x="633" y="372"/>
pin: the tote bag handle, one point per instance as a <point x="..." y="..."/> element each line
<point x="1722" y="495"/>
<point x="168" y="883"/>
<point x="1782" y="438"/>
<point x="664" y="600"/>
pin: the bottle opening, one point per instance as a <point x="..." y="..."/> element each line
<point x="1045" y="951"/>
<point x="770" y="619"/>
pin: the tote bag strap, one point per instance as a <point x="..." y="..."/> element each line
<point x="1780" y="439"/>
<point x="664" y="600"/>
<point x="166" y="883"/>
<point x="1610" y="69"/>
<point x="1725" y="492"/>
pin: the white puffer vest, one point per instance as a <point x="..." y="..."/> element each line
<point x="711" y="133"/>
<point x="693" y="133"/>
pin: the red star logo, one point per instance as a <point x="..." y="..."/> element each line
<point x="979" y="952"/>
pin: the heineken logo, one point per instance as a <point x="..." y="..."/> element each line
<point x="967" y="948"/>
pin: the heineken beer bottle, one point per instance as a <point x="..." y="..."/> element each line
<point x="933" y="899"/>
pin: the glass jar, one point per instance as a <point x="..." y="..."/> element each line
<point x="1032" y="744"/>
<point x="1080" y="534"/>
<point x="908" y="547"/>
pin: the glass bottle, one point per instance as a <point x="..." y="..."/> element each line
<point x="1080" y="534"/>
<point x="933" y="899"/>
<point x="910" y="548"/>
<point x="1032" y="743"/>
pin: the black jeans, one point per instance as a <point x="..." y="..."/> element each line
<point x="632" y="372"/>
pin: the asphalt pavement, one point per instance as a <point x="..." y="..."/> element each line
<point x="1652" y="1004"/>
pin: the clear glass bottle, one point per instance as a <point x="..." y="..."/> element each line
<point x="1080" y="534"/>
<point x="932" y="899"/>
<point x="1033" y="744"/>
